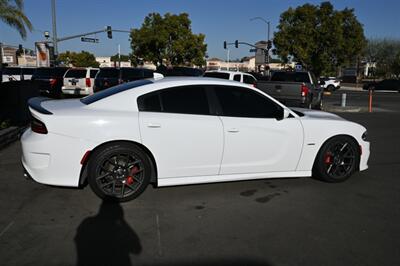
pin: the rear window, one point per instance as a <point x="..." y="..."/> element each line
<point x="60" y="71"/>
<point x="28" y="71"/>
<point x="219" y="75"/>
<point x="76" y="73"/>
<point x="43" y="72"/>
<point x="114" y="90"/>
<point x="291" y="77"/>
<point x="11" y="71"/>
<point x="108" y="73"/>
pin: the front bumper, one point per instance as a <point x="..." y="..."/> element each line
<point x="365" y="152"/>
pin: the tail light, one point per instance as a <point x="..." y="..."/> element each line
<point x="53" y="82"/>
<point x="304" y="90"/>
<point x="38" y="126"/>
<point x="88" y="82"/>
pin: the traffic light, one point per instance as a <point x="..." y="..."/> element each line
<point x="269" y="44"/>
<point x="236" y="44"/>
<point x="109" y="32"/>
<point x="225" y="45"/>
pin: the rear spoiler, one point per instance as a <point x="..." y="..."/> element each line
<point x="35" y="103"/>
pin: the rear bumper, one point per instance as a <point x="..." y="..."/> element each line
<point x="52" y="159"/>
<point x="76" y="91"/>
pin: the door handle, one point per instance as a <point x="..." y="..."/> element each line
<point x="233" y="130"/>
<point x="153" y="125"/>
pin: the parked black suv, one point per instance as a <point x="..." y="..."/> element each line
<point x="49" y="80"/>
<point x="111" y="76"/>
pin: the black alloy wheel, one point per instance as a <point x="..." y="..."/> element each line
<point x="120" y="172"/>
<point x="337" y="159"/>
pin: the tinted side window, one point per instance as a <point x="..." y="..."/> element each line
<point x="219" y="75"/>
<point x="242" y="102"/>
<point x="248" y="79"/>
<point x="185" y="100"/>
<point x="236" y="78"/>
<point x="131" y="73"/>
<point x="149" y="102"/>
<point x="93" y="73"/>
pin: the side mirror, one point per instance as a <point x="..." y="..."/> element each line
<point x="283" y="114"/>
<point x="286" y="113"/>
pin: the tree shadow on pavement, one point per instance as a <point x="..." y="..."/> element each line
<point x="106" y="238"/>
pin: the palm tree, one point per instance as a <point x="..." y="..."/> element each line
<point x="12" y="13"/>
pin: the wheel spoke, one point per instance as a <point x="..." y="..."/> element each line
<point x="108" y="183"/>
<point x="132" y="164"/>
<point x="102" y="176"/>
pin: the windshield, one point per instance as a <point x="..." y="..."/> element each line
<point x="114" y="90"/>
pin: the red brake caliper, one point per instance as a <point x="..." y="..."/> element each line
<point x="328" y="158"/>
<point x="129" y="179"/>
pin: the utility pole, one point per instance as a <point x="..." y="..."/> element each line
<point x="228" y="59"/>
<point x="119" y="55"/>
<point x="53" y="19"/>
<point x="268" y="37"/>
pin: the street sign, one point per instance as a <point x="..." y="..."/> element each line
<point x="253" y="50"/>
<point x="93" y="40"/>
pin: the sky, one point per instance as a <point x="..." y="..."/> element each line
<point x="218" y="20"/>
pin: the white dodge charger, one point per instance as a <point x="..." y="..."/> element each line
<point x="178" y="131"/>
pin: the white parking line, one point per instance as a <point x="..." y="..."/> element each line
<point x="6" y="228"/>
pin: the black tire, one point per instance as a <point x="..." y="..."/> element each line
<point x="330" y="88"/>
<point x="119" y="171"/>
<point x="337" y="159"/>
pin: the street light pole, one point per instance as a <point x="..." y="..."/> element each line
<point x="268" y="31"/>
<point x="53" y="18"/>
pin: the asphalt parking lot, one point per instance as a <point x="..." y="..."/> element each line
<point x="298" y="221"/>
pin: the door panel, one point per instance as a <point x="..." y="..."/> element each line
<point x="183" y="144"/>
<point x="256" y="145"/>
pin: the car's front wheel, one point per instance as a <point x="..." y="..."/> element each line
<point x="337" y="159"/>
<point x="119" y="171"/>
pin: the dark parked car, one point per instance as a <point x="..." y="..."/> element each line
<point x="111" y="76"/>
<point x="49" y="80"/>
<point x="386" y="84"/>
<point x="180" y="71"/>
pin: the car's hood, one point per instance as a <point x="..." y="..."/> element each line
<point x="314" y="114"/>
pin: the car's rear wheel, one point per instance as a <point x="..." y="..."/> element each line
<point x="337" y="159"/>
<point x="119" y="172"/>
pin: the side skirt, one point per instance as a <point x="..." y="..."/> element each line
<point x="187" y="180"/>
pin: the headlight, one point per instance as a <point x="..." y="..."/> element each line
<point x="364" y="136"/>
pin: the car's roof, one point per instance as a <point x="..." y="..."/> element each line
<point x="195" y="80"/>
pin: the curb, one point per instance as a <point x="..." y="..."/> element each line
<point x="9" y="135"/>
<point x="347" y="109"/>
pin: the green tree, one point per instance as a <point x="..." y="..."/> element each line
<point x="320" y="38"/>
<point x="82" y="59"/>
<point x="385" y="53"/>
<point x="124" y="58"/>
<point x="12" y="14"/>
<point x="169" y="38"/>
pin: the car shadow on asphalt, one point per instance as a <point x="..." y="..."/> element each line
<point x="106" y="238"/>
